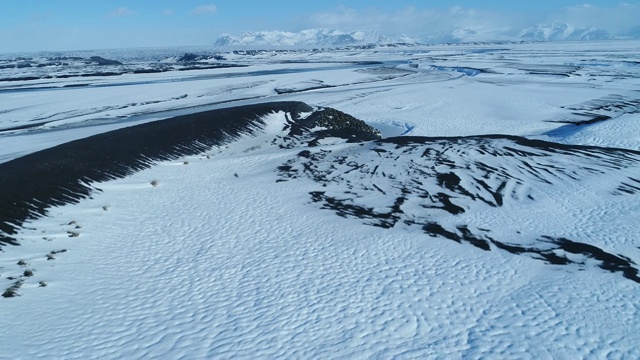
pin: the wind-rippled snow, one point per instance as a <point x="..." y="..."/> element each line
<point x="210" y="264"/>
<point x="219" y="260"/>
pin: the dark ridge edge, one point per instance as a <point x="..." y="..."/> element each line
<point x="534" y="143"/>
<point x="63" y="174"/>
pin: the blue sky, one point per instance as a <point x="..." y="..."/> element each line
<point x="32" y="25"/>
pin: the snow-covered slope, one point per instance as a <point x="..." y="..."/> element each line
<point x="234" y="256"/>
<point x="491" y="214"/>
<point x="309" y="38"/>
<point x="487" y="183"/>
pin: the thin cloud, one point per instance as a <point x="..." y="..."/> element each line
<point x="41" y="16"/>
<point x="342" y="16"/>
<point x="617" y="19"/>
<point x="168" y="12"/>
<point x="121" y="12"/>
<point x="204" y="9"/>
<point x="427" y="23"/>
<point x="411" y="20"/>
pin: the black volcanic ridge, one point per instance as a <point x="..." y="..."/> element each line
<point x="62" y="174"/>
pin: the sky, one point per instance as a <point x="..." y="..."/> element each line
<point x="45" y="25"/>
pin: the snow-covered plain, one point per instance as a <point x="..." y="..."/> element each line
<point x="238" y="251"/>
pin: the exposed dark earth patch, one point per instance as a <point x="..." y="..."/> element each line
<point x="329" y="122"/>
<point x="632" y="186"/>
<point x="552" y="70"/>
<point x="598" y="110"/>
<point x="307" y="86"/>
<point x="98" y="60"/>
<point x="426" y="182"/>
<point x="196" y="58"/>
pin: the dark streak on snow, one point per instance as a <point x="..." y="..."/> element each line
<point x="593" y="112"/>
<point x="447" y="175"/>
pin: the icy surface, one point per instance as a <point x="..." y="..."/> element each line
<point x="240" y="252"/>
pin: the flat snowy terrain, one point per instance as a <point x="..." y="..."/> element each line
<point x="199" y="208"/>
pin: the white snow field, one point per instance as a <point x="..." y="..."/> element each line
<point x="497" y="217"/>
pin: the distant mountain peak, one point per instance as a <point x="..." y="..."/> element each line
<point x="309" y="37"/>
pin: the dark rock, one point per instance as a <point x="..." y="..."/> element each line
<point x="335" y="123"/>
<point x="189" y="57"/>
<point x="103" y="62"/>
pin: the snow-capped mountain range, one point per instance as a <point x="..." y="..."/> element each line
<point x="336" y="38"/>
<point x="562" y="32"/>
<point x="311" y="37"/>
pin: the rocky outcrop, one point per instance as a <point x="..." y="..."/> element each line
<point x="104" y="62"/>
<point x="329" y="122"/>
